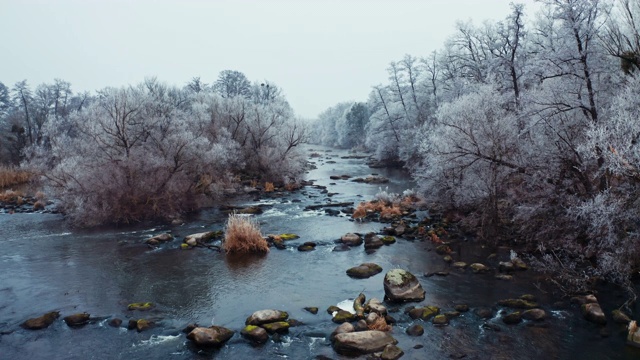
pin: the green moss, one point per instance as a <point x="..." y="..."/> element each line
<point x="249" y="328"/>
<point x="277" y="327"/>
<point x="398" y="277"/>
<point x="184" y="246"/>
<point x="429" y="311"/>
<point x="288" y="236"/>
<point x="343" y="316"/>
<point x="141" y="306"/>
<point x="440" y="320"/>
<point x="388" y="240"/>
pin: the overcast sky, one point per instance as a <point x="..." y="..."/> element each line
<point x="319" y="52"/>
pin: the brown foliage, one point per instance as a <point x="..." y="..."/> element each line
<point x="242" y="235"/>
<point x="11" y="176"/>
<point x="10" y="196"/>
<point x="379" y="324"/>
<point x="268" y="187"/>
<point x="386" y="210"/>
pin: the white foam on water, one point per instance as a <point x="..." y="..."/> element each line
<point x="346" y="305"/>
<point x="157" y="340"/>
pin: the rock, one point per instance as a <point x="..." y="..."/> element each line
<point x="251" y="210"/>
<point x="391" y="352"/>
<point x="401" y="285"/>
<point x="415" y="330"/>
<point x="371" y="318"/>
<point x="343" y="329"/>
<point x="483" y="313"/>
<point x="189" y="328"/>
<point x="159" y="239"/>
<point x="199" y="238"/>
<point x="307" y="246"/>
<point x="459" y="264"/>
<point x="362" y="342"/>
<point x="343" y="316"/>
<point x="77" y="320"/>
<point x="519" y="264"/>
<point x="280" y="327"/>
<point x="266" y="316"/>
<point x="388" y="240"/>
<point x="214" y="336"/>
<point x="132" y="324"/>
<point x="364" y="271"/>
<point x="115" y="322"/>
<point x="633" y="335"/>
<point x="332" y="309"/>
<point x="294" y="323"/>
<point x="592" y="312"/>
<point x="534" y="314"/>
<point x="361" y="325"/>
<point x="376" y="306"/>
<point x="512" y="318"/>
<point x="142" y="306"/>
<point x="341" y="247"/>
<point x="506" y="266"/>
<point x="447" y="258"/>
<point x="517" y="304"/>
<point x="424" y="313"/>
<point x="313" y="310"/>
<point x="585" y="299"/>
<point x="461" y="307"/>
<point x="440" y="320"/>
<point x="478" y="268"/>
<point x="255" y="334"/>
<point x="143" y="324"/>
<point x="372" y="242"/>
<point x="286" y="237"/>
<point x="40" y="322"/>
<point x="528" y="297"/>
<point x="351" y="239"/>
<point x="620" y="317"/>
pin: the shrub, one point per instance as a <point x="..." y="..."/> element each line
<point x="379" y="324"/>
<point x="10" y="176"/>
<point x="242" y="235"/>
<point x="10" y="196"/>
<point x="268" y="187"/>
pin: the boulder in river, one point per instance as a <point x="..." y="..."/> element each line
<point x="200" y="238"/>
<point x="351" y="239"/>
<point x="161" y="238"/>
<point x="391" y="352"/>
<point x="343" y="328"/>
<point x="592" y="312"/>
<point x="115" y="322"/>
<point x="255" y="334"/>
<point x="415" y="330"/>
<point x="312" y="309"/>
<point x="143" y="324"/>
<point x="214" y="336"/>
<point x="376" y="306"/>
<point x="266" y="316"/>
<point x="41" y="322"/>
<point x="518" y="304"/>
<point x="512" y="318"/>
<point x="534" y="314"/>
<point x="142" y="306"/>
<point x="401" y="286"/>
<point x="362" y="342"/>
<point x="279" y="327"/>
<point x="307" y="246"/>
<point x="343" y="316"/>
<point x="364" y="271"/>
<point x="77" y="320"/>
<point x="479" y="268"/>
<point x="372" y="241"/>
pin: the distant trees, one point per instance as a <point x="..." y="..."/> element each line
<point x="232" y="83"/>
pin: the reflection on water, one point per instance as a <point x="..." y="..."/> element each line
<point x="46" y="266"/>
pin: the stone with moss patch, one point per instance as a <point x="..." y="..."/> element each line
<point x="401" y="285"/>
<point x="343" y="316"/>
<point x="388" y="240"/>
<point x="255" y="334"/>
<point x="440" y="320"/>
<point x="364" y="271"/>
<point x="518" y="304"/>
<point x="41" y="322"/>
<point x="142" y="306"/>
<point x="266" y="316"/>
<point x="279" y="327"/>
<point x="286" y="237"/>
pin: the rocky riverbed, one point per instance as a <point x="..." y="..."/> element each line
<point x="334" y="290"/>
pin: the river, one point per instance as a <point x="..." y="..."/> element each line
<point x="46" y="266"/>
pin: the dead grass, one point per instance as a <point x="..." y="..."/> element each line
<point x="242" y="235"/>
<point x="379" y="324"/>
<point x="268" y="187"/>
<point x="10" y="176"/>
<point x="10" y="196"/>
<point x="386" y="210"/>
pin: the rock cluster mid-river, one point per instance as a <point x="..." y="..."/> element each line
<point x="47" y="266"/>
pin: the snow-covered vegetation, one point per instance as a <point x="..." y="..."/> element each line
<point x="529" y="126"/>
<point x="150" y="151"/>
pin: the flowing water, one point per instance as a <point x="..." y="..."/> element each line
<point x="46" y="266"/>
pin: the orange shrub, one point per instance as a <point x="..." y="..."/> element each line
<point x="379" y="324"/>
<point x="242" y="235"/>
<point x="11" y="176"/>
<point x="268" y="187"/>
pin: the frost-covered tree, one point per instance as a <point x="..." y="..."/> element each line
<point x="232" y="83"/>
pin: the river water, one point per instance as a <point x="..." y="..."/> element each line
<point x="46" y="266"/>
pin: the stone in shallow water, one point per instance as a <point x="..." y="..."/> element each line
<point x="364" y="271"/>
<point x="41" y="322"/>
<point x="401" y="285"/>
<point x="266" y="316"/>
<point x="362" y="342"/>
<point x="76" y="320"/>
<point x="214" y="336"/>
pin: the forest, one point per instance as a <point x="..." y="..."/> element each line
<point x="149" y="151"/>
<point x="526" y="128"/>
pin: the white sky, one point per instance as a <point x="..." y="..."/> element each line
<point x="319" y="52"/>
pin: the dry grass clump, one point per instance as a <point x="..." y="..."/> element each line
<point x="379" y="324"/>
<point x="10" y="196"/>
<point x="268" y="187"/>
<point x="11" y="176"/>
<point x="242" y="235"/>
<point x="386" y="210"/>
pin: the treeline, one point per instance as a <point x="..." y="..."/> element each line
<point x="530" y="127"/>
<point x="150" y="151"/>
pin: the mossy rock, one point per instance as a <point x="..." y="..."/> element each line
<point x="184" y="246"/>
<point x="77" y="320"/>
<point x="388" y="240"/>
<point x="266" y="316"/>
<point x="459" y="265"/>
<point x="143" y="324"/>
<point x="364" y="271"/>
<point x="331" y="309"/>
<point x="478" y="268"/>
<point x="424" y="313"/>
<point x="312" y="309"/>
<point x="142" y="306"/>
<point x="461" y="307"/>
<point x="255" y="333"/>
<point x="280" y="327"/>
<point x="440" y="320"/>
<point x="620" y="317"/>
<point x="528" y="297"/>
<point x="343" y="316"/>
<point x="447" y="258"/>
<point x="286" y="237"/>
<point x="452" y="314"/>
<point x="512" y="318"/>
<point x="518" y="304"/>
<point x="307" y="246"/>
<point x="415" y="330"/>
